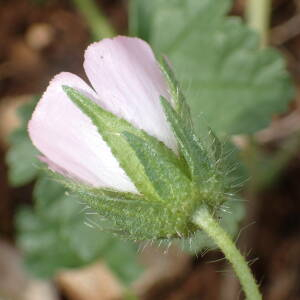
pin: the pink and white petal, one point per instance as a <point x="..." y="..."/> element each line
<point x="57" y="169"/>
<point x="69" y="140"/>
<point x="129" y="82"/>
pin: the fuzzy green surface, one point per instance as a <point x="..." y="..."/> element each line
<point x="21" y="158"/>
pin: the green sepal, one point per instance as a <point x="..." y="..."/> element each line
<point x="132" y="215"/>
<point x="177" y="96"/>
<point x="215" y="145"/>
<point x="110" y="128"/>
<point x="189" y="144"/>
<point x="205" y="169"/>
<point x="140" y="220"/>
<point x="170" y="183"/>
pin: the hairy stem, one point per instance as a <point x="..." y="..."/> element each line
<point x="99" y="25"/>
<point x="208" y="224"/>
<point x="258" y="17"/>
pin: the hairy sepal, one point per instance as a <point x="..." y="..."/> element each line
<point x="132" y="215"/>
<point x="169" y="182"/>
<point x="180" y="104"/>
<point x="110" y="127"/>
<point x="202" y="158"/>
<point x="182" y="112"/>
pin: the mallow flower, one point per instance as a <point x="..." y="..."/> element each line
<point x="126" y="144"/>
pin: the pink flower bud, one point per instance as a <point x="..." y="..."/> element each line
<point x="126" y="81"/>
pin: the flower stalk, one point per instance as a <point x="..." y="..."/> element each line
<point x="207" y="223"/>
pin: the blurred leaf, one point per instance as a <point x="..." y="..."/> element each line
<point x="25" y="111"/>
<point x="98" y="23"/>
<point x="21" y="158"/>
<point x="141" y="16"/>
<point x="22" y="162"/>
<point x="55" y="235"/>
<point x="225" y="77"/>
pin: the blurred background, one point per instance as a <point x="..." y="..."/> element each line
<point x="50" y="245"/>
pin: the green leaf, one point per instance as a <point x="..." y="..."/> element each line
<point x="141" y="15"/>
<point x="54" y="235"/>
<point x="224" y="75"/>
<point x="22" y="162"/>
<point x="25" y="111"/>
<point x="55" y="204"/>
<point x="21" y="158"/>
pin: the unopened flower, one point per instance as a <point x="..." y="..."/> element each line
<point x="126" y="143"/>
<point x="126" y="81"/>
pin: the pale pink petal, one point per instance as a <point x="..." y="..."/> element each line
<point x="129" y="82"/>
<point x="69" y="140"/>
<point x="57" y="169"/>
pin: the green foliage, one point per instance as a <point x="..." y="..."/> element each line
<point x="224" y="75"/>
<point x="22" y="156"/>
<point x="141" y="16"/>
<point x="97" y="22"/>
<point x="23" y="165"/>
<point x="55" y="235"/>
